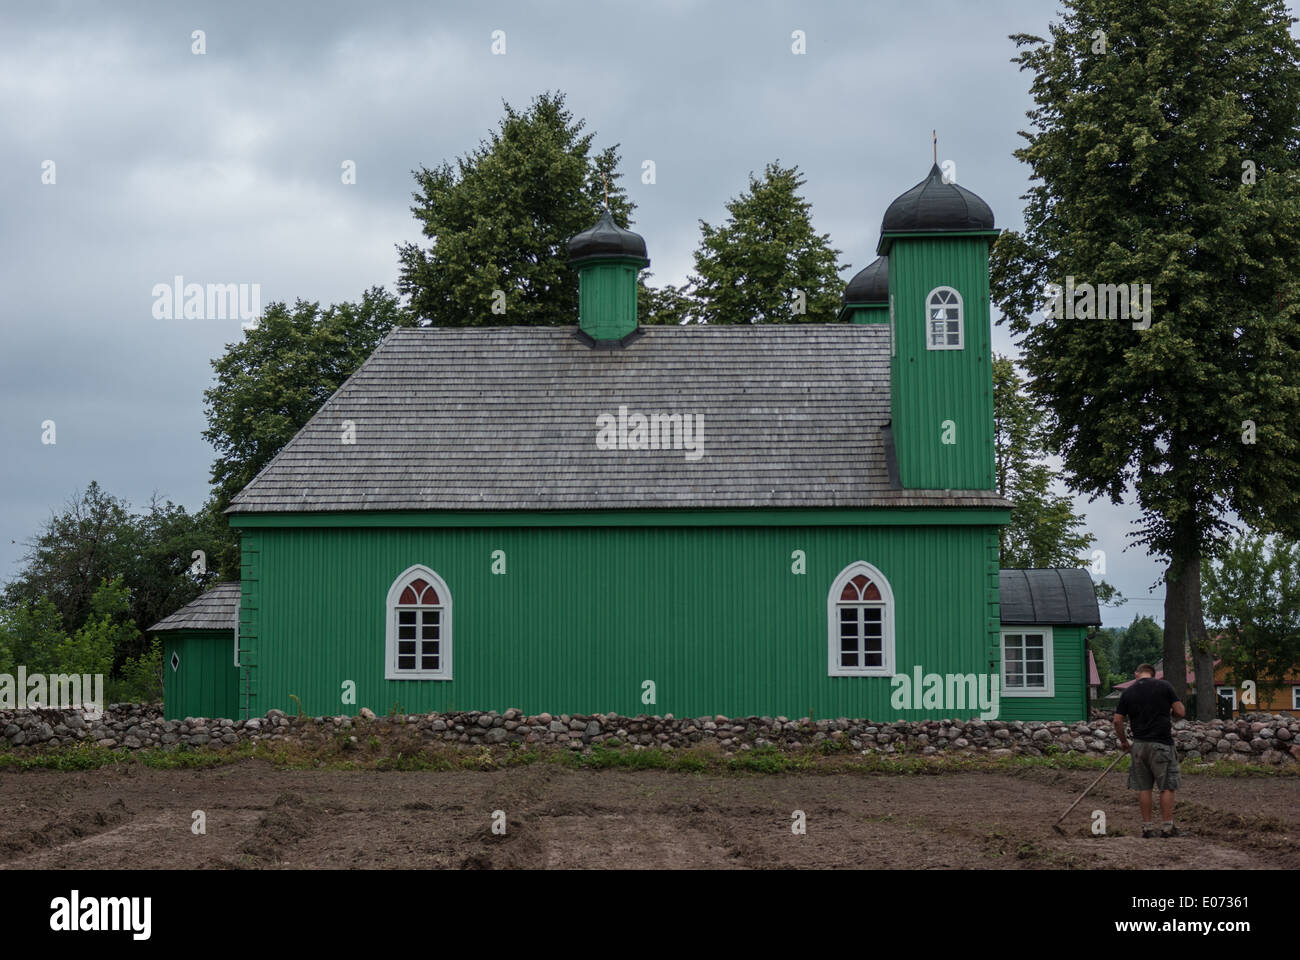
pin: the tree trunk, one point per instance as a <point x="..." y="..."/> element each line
<point x="1176" y="625"/>
<point x="1185" y="623"/>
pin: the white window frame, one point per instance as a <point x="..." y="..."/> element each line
<point x="1229" y="692"/>
<point x="960" y="321"/>
<point x="1295" y="697"/>
<point x="1049" y="663"/>
<point x="418" y="571"/>
<point x="886" y="668"/>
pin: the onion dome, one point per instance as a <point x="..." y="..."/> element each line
<point x="606" y="239"/>
<point x="933" y="205"/>
<point x="870" y="284"/>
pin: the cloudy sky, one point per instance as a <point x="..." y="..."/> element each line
<point x="225" y="167"/>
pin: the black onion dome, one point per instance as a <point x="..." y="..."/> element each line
<point x="606" y="239"/>
<point x="935" y="205"/>
<point x="870" y="284"/>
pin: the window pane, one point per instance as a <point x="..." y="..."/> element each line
<point x="849" y="643"/>
<point x="429" y="616"/>
<point x="406" y="616"/>
<point x="406" y="646"/>
<point x="429" y="663"/>
<point x="848" y="659"/>
<point x="429" y="633"/>
<point x="408" y="597"/>
<point x="430" y="597"/>
<point x="406" y="633"/>
<point x="871" y="593"/>
<point x="1035" y="680"/>
<point x="406" y="663"/>
<point x="850" y="592"/>
<point x="873" y="660"/>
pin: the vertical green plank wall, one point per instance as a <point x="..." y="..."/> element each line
<point x="1070" y="678"/>
<point x="933" y="386"/>
<point x="205" y="683"/>
<point x="583" y="617"/>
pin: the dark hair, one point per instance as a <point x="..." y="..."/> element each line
<point x="1146" y="668"/>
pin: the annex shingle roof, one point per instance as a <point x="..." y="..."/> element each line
<point x="215" y="609"/>
<point x="1058" y="597"/>
<point x="506" y="418"/>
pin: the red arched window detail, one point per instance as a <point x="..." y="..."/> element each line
<point x="430" y="597"/>
<point x="871" y="593"/>
<point x="850" y="592"/>
<point x="418" y="585"/>
<point x="859" y="581"/>
<point x="408" y="598"/>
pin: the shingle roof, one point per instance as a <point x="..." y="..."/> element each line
<point x="215" y="609"/>
<point x="506" y="418"/>
<point x="1049" y="597"/>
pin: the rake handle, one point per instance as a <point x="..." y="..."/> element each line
<point x="1117" y="759"/>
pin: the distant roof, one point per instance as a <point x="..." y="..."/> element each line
<point x="870" y="284"/>
<point x="1049" y="597"/>
<point x="606" y="239"/>
<point x="1094" y="678"/>
<point x="215" y="609"/>
<point x="935" y="205"/>
<point x="505" y="418"/>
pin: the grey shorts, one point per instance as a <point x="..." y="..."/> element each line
<point x="1154" y="767"/>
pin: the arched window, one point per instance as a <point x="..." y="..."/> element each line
<point x="943" y="319"/>
<point x="419" y="627"/>
<point x="860" y="614"/>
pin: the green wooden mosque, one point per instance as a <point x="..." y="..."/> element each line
<point x="744" y="520"/>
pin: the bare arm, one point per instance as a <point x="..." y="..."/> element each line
<point x="1119" y="731"/>
<point x="1178" y="710"/>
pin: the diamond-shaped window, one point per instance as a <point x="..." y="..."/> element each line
<point x="176" y="661"/>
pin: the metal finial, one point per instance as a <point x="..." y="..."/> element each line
<point x="605" y="181"/>
<point x="934" y="135"/>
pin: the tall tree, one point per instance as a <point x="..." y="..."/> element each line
<point x="1252" y="602"/>
<point x="500" y="219"/>
<point x="98" y="538"/>
<point x="1163" y="149"/>
<point x="766" y="263"/>
<point x="274" y="380"/>
<point x="1142" y="642"/>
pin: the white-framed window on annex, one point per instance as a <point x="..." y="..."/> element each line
<point x="944" y="320"/>
<point x="418" y="645"/>
<point x="1027" y="662"/>
<point x="860" y="623"/>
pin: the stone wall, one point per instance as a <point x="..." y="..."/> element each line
<point x="1258" y="738"/>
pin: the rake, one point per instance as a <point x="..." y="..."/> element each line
<point x="1057" y="825"/>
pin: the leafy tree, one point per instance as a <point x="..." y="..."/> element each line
<point x="30" y="632"/>
<point x="98" y="537"/>
<point x="1252" y="602"/>
<point x="1142" y="642"/>
<point x="1163" y="150"/>
<point x="753" y="268"/>
<point x="274" y="380"/>
<point x="501" y="217"/>
<point x="90" y="540"/>
<point x="666" y="305"/>
<point x="106" y="633"/>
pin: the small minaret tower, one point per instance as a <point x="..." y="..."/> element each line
<point x="937" y="238"/>
<point x="608" y="259"/>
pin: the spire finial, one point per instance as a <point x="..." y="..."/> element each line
<point x="605" y="181"/>
<point x="934" y="135"/>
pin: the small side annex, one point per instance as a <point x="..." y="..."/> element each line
<point x="1045" y="620"/>
<point x="200" y="658"/>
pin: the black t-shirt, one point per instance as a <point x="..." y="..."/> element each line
<point x="1147" y="704"/>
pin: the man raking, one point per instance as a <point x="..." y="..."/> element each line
<point x="1149" y="704"/>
